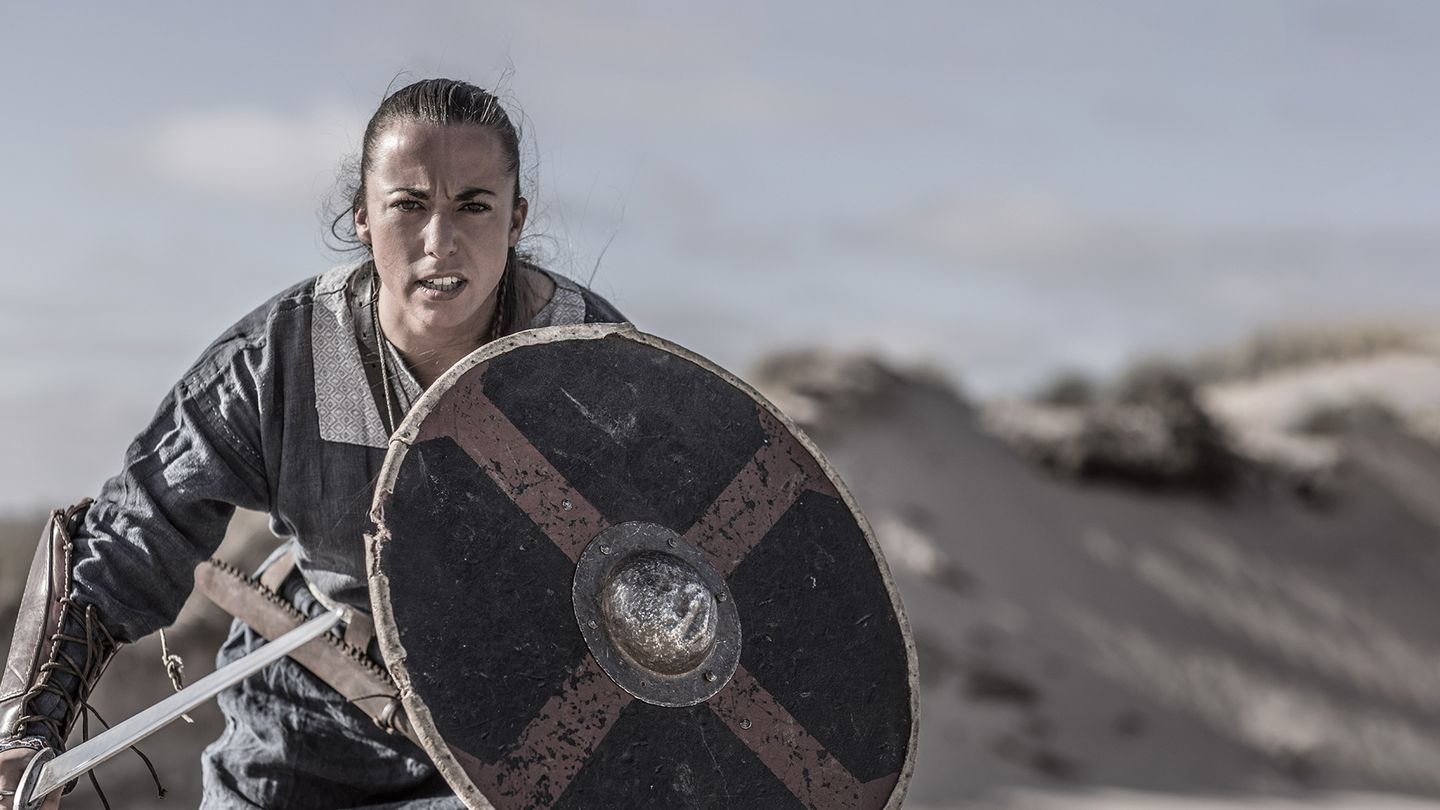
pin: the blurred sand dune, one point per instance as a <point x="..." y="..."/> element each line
<point x="1106" y="643"/>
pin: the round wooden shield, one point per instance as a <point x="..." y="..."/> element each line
<point x="607" y="573"/>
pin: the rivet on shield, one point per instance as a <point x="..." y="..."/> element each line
<point x="567" y="505"/>
<point x="745" y="722"/>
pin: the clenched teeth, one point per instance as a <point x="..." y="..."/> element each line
<point x="442" y="284"/>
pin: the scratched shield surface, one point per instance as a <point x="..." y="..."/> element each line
<point x="517" y="498"/>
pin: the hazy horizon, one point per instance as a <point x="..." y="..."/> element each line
<point x="1001" y="190"/>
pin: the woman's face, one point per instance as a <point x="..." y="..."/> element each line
<point x="439" y="217"/>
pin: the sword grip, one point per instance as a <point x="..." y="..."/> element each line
<point x="23" y="798"/>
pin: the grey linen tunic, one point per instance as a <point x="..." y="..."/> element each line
<point x="275" y="416"/>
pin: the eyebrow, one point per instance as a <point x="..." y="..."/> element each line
<point x="465" y="194"/>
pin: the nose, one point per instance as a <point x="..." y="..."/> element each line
<point x="439" y="236"/>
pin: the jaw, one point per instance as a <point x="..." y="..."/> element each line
<point x="428" y="319"/>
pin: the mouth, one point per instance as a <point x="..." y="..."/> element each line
<point x="442" y="283"/>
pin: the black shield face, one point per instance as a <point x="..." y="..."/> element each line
<point x="606" y="573"/>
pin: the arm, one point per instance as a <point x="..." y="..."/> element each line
<point x="123" y="568"/>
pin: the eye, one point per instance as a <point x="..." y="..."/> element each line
<point x="475" y="207"/>
<point x="406" y="205"/>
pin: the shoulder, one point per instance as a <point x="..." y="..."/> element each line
<point x="248" y="346"/>
<point x="572" y="303"/>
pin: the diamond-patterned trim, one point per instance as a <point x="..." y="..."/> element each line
<point x="343" y="404"/>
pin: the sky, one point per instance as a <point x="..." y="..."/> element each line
<point x="1002" y="190"/>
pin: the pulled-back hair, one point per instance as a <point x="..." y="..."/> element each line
<point x="438" y="101"/>
<point x="435" y="101"/>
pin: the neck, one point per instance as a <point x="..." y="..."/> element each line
<point x="430" y="351"/>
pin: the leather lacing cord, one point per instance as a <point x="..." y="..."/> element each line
<point x="174" y="670"/>
<point x="98" y="643"/>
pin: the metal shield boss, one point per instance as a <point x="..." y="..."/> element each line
<point x="607" y="573"/>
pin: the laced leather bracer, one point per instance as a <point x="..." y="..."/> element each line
<point x="59" y="649"/>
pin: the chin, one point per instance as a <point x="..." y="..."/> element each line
<point x="446" y="315"/>
<point x="440" y="320"/>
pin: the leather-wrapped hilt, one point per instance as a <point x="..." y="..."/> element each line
<point x="59" y="648"/>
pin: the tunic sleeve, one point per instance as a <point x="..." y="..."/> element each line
<point x="184" y="475"/>
<point x="598" y="310"/>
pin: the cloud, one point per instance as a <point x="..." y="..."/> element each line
<point x="1047" y="238"/>
<point x="250" y="155"/>
<point x="1039" y="283"/>
<point x="1043" y="242"/>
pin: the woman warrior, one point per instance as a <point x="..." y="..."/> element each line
<point x="289" y="412"/>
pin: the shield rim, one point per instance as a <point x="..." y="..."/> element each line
<point x="399" y="444"/>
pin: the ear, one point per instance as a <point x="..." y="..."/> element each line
<point x="517" y="220"/>
<point x="362" y="226"/>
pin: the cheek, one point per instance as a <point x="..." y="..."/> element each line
<point x="392" y="254"/>
<point x="392" y="238"/>
<point x="486" y="239"/>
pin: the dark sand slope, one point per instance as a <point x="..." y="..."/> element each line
<point x="1079" y="637"/>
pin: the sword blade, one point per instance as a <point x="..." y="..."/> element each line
<point x="85" y="756"/>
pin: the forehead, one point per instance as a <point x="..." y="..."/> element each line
<point x="410" y="151"/>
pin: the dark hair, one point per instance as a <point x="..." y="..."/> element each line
<point x="437" y="101"/>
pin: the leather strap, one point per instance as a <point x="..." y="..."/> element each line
<point x="37" y="621"/>
<point x="342" y="666"/>
<point x="359" y="631"/>
<point x="359" y="627"/>
<point x="59" y="649"/>
<point x="276" y="574"/>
